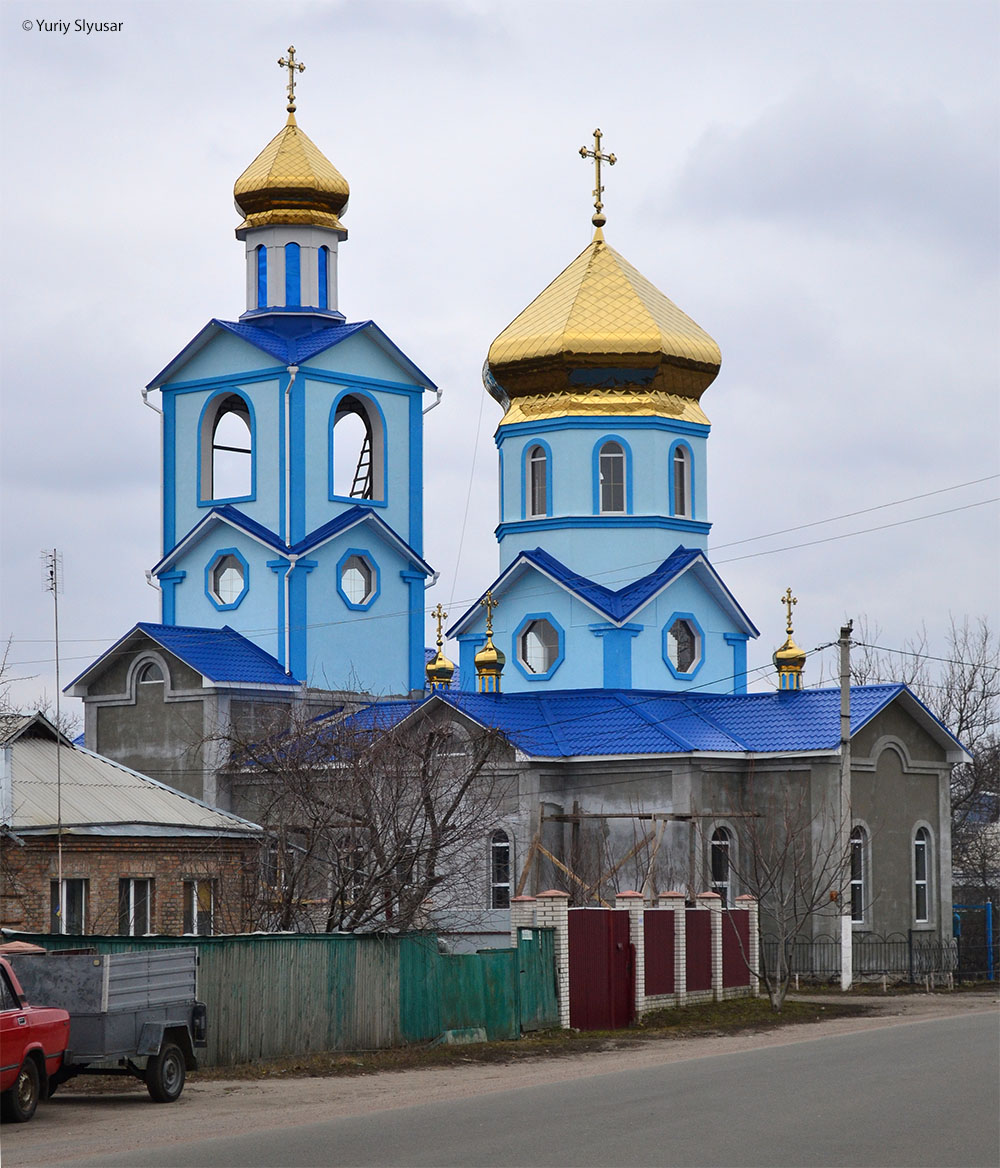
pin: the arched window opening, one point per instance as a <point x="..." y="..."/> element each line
<point x="357" y="450"/>
<point x="538" y="646"/>
<point x="682" y="481"/>
<point x="538" y="502"/>
<point x="228" y="580"/>
<point x="232" y="451"/>
<point x="323" y="276"/>
<point x="721" y="859"/>
<point x="682" y="646"/>
<point x="357" y="579"/>
<point x="293" y="278"/>
<point x="150" y="673"/>
<point x="921" y="875"/>
<point x="261" y="276"/>
<point x="859" y="874"/>
<point x="611" y="467"/>
<point x="500" y="870"/>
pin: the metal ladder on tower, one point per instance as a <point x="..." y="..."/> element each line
<point x="361" y="488"/>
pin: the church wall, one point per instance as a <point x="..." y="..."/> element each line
<point x="361" y="356"/>
<point x="895" y="721"/>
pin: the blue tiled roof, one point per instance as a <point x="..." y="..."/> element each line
<point x="290" y="350"/>
<point x="567" y="723"/>
<point x="219" y="654"/>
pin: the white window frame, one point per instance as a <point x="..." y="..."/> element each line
<point x="537" y="502"/>
<point x="860" y="881"/>
<point x="922" y="884"/>
<point x="607" y="460"/>
<point x="500" y="890"/>
<point x="64" y="889"/>
<point x="724" y="844"/>
<point x="681" y="471"/>
<point x="128" y="888"/>
<point x="522" y="646"/>
<point x="191" y="888"/>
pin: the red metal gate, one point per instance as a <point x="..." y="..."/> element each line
<point x="601" y="969"/>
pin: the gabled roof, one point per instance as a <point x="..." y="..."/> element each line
<point x="621" y="604"/>
<point x="285" y="346"/>
<point x="594" y="723"/>
<point x="15" y="726"/>
<point x="343" y="522"/>
<point x="222" y="656"/>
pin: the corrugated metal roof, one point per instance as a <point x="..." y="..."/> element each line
<point x="97" y="792"/>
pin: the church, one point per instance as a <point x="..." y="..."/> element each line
<point x="607" y="650"/>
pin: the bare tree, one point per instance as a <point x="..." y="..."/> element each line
<point x="366" y="823"/>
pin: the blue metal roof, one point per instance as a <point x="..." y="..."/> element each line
<point x="569" y="723"/>
<point x="291" y="350"/>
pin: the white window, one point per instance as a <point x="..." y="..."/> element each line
<point x="500" y="870"/>
<point x="921" y="875"/>
<point x="228" y="580"/>
<point x="69" y="906"/>
<point x="538" y="646"/>
<point x="611" y="467"/>
<point x="721" y="845"/>
<point x="859" y="874"/>
<point x="357" y="579"/>
<point x="683" y="648"/>
<point x="538" y="503"/>
<point x="230" y="463"/>
<point x="682" y="481"/>
<point x="199" y="907"/>
<point x="135" y="898"/>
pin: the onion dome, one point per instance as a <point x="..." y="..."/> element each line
<point x="601" y="339"/>
<point x="489" y="662"/>
<point x="789" y="660"/>
<point x="439" y="671"/>
<point x="291" y="181"/>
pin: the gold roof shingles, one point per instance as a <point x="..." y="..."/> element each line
<point x="291" y="181"/>
<point x="600" y="313"/>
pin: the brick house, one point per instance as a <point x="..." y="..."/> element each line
<point x="137" y="856"/>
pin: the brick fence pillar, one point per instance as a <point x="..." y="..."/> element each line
<point x="553" y="913"/>
<point x="675" y="901"/>
<point x="753" y="957"/>
<point x="633" y="903"/>
<point x="522" y="916"/>
<point x="713" y="902"/>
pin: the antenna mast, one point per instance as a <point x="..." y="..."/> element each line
<point x="52" y="580"/>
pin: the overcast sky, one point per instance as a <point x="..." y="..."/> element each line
<point x="815" y="183"/>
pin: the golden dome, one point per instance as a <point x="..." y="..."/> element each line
<point x="440" y="671"/>
<point x="291" y="181"/>
<point x="601" y="339"/>
<point x="789" y="658"/>
<point x="489" y="661"/>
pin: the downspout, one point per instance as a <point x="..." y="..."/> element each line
<point x="292" y="559"/>
<point x="435" y="402"/>
<point x="437" y="575"/>
<point x="156" y="410"/>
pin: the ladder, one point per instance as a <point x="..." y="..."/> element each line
<point x="361" y="488"/>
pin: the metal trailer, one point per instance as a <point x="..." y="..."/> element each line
<point x="130" y="1013"/>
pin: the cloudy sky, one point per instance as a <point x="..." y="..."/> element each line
<point x="815" y="183"/>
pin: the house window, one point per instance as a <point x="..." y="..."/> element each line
<point x="199" y="907"/>
<point x="859" y="874"/>
<point x="681" y="470"/>
<point x="323" y="276"/>
<point x="500" y="870"/>
<point x="921" y="875"/>
<point x="151" y="674"/>
<point x="611" y="469"/>
<point x="538" y="502"/>
<point x="69" y="906"/>
<point x="135" y="898"/>
<point x="357" y="443"/>
<point x="261" y="276"/>
<point x="228" y="580"/>
<point x="357" y="580"/>
<point x="293" y="279"/>
<point x="538" y="646"/>
<point x="721" y="844"/>
<point x="230" y="453"/>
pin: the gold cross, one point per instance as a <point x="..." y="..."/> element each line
<point x="599" y="218"/>
<point x="440" y="616"/>
<point x="489" y="604"/>
<point x="788" y="600"/>
<point x="291" y="65"/>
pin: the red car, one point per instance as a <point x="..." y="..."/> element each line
<point x="33" y="1040"/>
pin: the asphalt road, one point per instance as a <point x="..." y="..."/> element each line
<point x="926" y="1093"/>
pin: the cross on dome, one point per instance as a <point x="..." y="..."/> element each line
<point x="599" y="218"/>
<point x="291" y="65"/>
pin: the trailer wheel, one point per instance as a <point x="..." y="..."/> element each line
<point x="165" y="1074"/>
<point x="18" y="1103"/>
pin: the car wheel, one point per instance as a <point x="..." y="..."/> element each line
<point x="20" y="1101"/>
<point x="165" y="1074"/>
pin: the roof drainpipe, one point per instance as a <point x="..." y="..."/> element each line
<point x="435" y="402"/>
<point x="292" y="371"/>
<point x="292" y="560"/>
<point x="156" y="410"/>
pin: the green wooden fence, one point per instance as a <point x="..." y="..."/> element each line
<point x="277" y="995"/>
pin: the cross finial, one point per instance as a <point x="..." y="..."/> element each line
<point x="291" y="65"/>
<point x="788" y="600"/>
<point x="440" y="616"/>
<point x="489" y="604"/>
<point x="599" y="218"/>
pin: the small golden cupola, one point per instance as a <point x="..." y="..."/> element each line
<point x="439" y="669"/>
<point x="489" y="661"/>
<point x="789" y="660"/>
<point x="601" y="339"/>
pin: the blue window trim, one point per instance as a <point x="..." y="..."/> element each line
<point x="203" y="499"/>
<point x="515" y="650"/>
<point x="596" y="471"/>
<point x="700" y="661"/>
<point x="550" y="425"/>
<point x="667" y="522"/>
<point x="503" y="485"/>
<point x="210" y="567"/>
<point x="293" y="276"/>
<point x="685" y="446"/>
<point x="526" y="479"/>
<point x="261" y="276"/>
<point x="383" y="496"/>
<point x="323" y="276"/>
<point x="369" y="559"/>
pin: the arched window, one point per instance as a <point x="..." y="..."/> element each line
<point x="261" y="276"/>
<point x="150" y="674"/>
<point x="859" y="874"/>
<point x="537" y="474"/>
<point x="921" y="875"/>
<point x="357" y="450"/>
<point x="611" y="469"/>
<point x="721" y="860"/>
<point x="500" y="870"/>
<point x="323" y="276"/>
<point x="227" y="450"/>
<point x="681" y="471"/>
<point x="293" y="278"/>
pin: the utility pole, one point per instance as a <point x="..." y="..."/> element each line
<point x="844" y="811"/>
<point x="52" y="581"/>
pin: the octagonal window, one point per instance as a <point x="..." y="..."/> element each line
<point x="538" y="646"/>
<point x="357" y="580"/>
<point x="682" y="645"/>
<point x="227" y="579"/>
